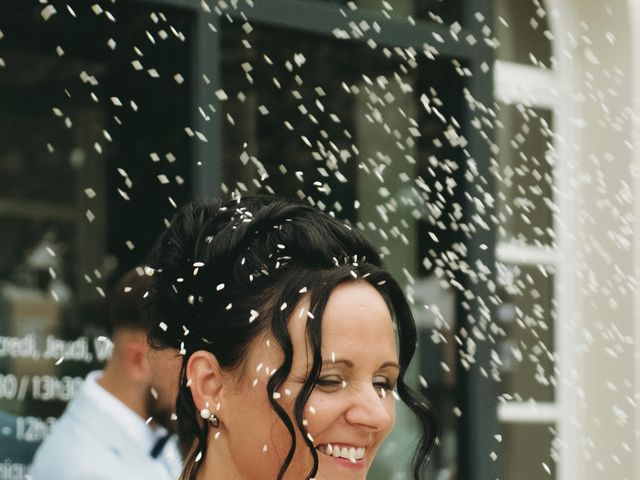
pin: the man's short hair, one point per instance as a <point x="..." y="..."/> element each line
<point x="127" y="302"/>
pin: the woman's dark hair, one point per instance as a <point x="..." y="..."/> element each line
<point x="217" y="264"/>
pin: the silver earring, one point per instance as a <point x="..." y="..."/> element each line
<point x="210" y="418"/>
<point x="213" y="421"/>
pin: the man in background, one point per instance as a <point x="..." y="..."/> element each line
<point x="120" y="424"/>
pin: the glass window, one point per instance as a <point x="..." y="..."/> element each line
<point x="445" y="12"/>
<point x="529" y="452"/>
<point x="524" y="174"/>
<point x="93" y="158"/>
<point x="523" y="33"/>
<point x="372" y="136"/>
<point x="526" y="314"/>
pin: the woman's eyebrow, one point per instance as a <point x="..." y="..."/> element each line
<point x="349" y="363"/>
<point x="344" y="361"/>
<point x="390" y="364"/>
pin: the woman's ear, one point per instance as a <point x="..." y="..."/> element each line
<point x="205" y="379"/>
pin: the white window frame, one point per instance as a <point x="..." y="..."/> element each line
<point x="549" y="89"/>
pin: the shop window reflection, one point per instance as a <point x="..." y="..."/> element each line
<point x="80" y="197"/>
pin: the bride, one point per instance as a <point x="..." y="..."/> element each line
<point x="294" y="341"/>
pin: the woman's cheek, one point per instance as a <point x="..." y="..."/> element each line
<point x="323" y="410"/>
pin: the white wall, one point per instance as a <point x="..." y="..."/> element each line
<point x="600" y="239"/>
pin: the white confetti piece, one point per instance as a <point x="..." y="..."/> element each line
<point x="201" y="136"/>
<point x="47" y="12"/>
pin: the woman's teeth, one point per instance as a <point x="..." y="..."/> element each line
<point x="350" y="453"/>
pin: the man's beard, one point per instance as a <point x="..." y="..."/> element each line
<point x="161" y="414"/>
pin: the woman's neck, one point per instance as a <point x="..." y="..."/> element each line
<point x="217" y="461"/>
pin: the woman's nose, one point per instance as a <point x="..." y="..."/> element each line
<point x="370" y="408"/>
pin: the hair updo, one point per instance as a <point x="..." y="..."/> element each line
<point x="223" y="272"/>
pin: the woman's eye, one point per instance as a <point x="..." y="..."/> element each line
<point x="383" y="383"/>
<point x="329" y="382"/>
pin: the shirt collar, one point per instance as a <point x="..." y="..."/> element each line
<point x="135" y="426"/>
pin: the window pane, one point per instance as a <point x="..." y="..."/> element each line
<point x="528" y="452"/>
<point x="346" y="128"/>
<point x="525" y="174"/>
<point x="523" y="32"/>
<point x="445" y="12"/>
<point x="526" y="354"/>
<point x="85" y="136"/>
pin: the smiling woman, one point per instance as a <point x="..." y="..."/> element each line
<point x="295" y="342"/>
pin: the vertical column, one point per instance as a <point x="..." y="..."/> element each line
<point x="206" y="123"/>
<point x="478" y="393"/>
<point x="606" y="241"/>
